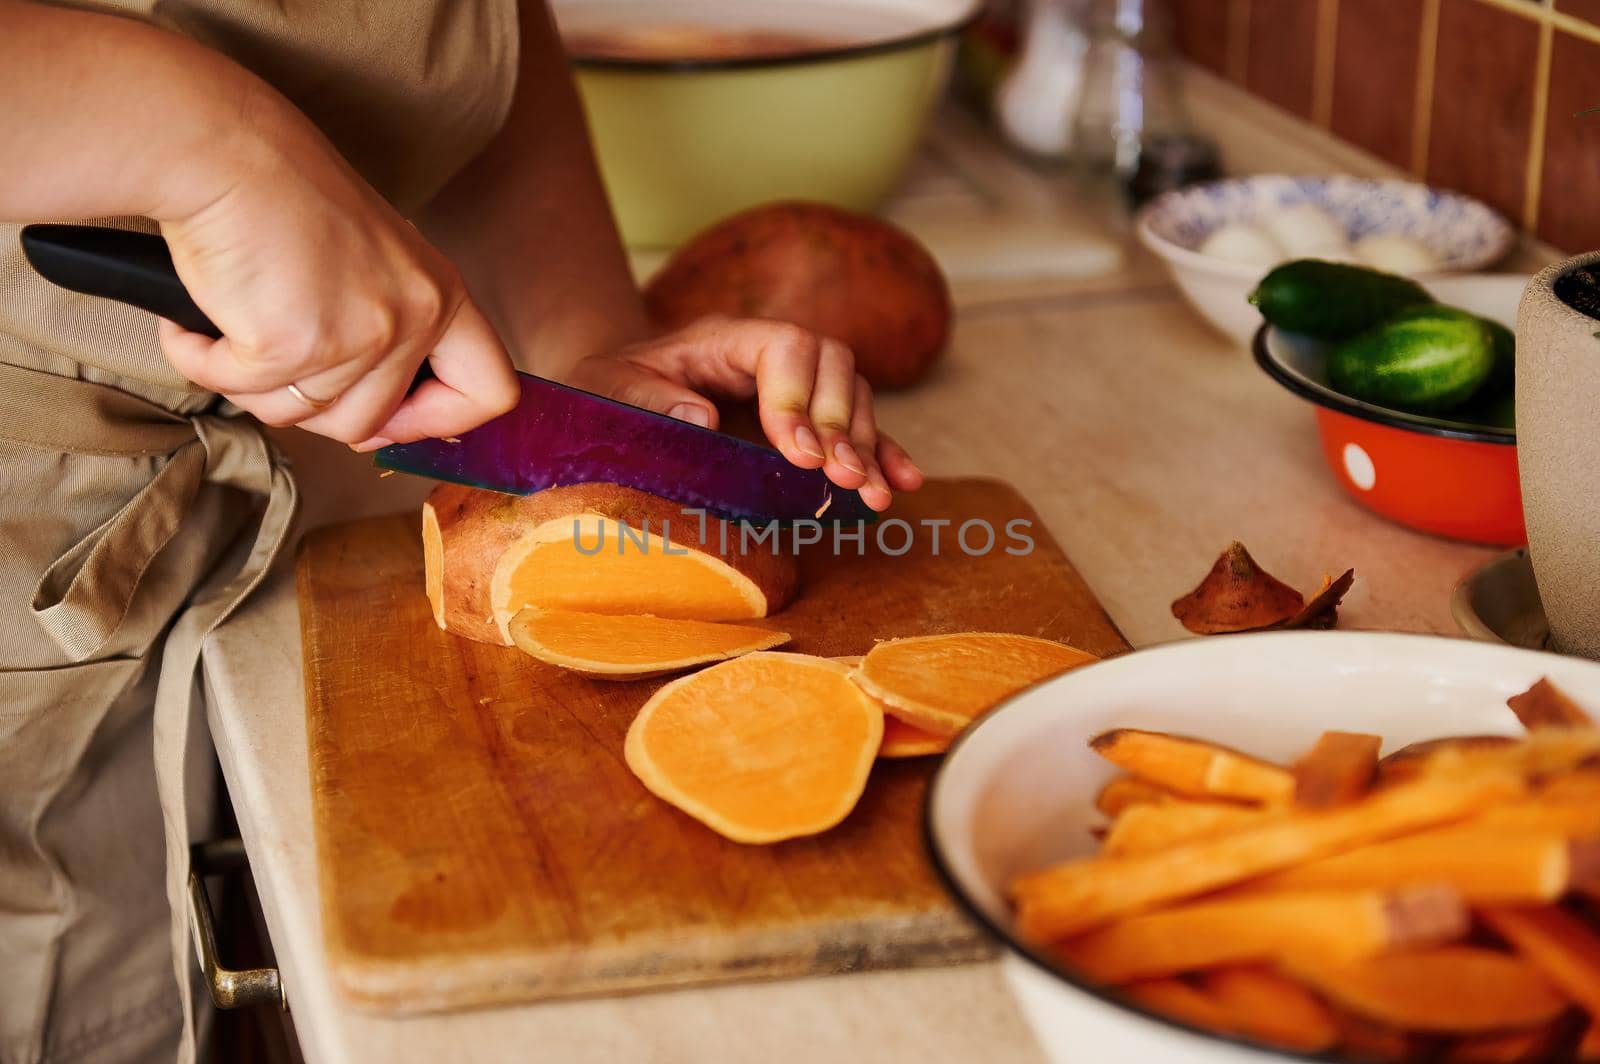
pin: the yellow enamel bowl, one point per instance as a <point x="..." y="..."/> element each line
<point x="827" y="104"/>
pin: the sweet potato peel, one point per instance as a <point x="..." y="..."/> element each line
<point x="1237" y="595"/>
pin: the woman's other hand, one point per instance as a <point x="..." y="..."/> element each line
<point x="814" y="407"/>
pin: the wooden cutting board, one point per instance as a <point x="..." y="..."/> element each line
<point x="481" y="840"/>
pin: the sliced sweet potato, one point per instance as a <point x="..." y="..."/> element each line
<point x="1153" y="826"/>
<point x="1340" y="768"/>
<point x="942" y="683"/>
<point x="1338" y="925"/>
<point x="1575" y="816"/>
<point x="1193" y="766"/>
<point x="1237" y="595"/>
<point x="610" y="647"/>
<point x="1077" y="895"/>
<point x="765" y="747"/>
<point x="597" y="548"/>
<point x="907" y="740"/>
<point x="1122" y="792"/>
<point x="1486" y="865"/>
<point x="1268" y="1007"/>
<point x="1544" y="705"/>
<point x="1445" y="989"/>
<point x="1563" y="947"/>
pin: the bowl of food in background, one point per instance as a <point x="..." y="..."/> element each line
<point x="1412" y="387"/>
<point x="1186" y="867"/>
<point x="1219" y="238"/>
<point x="700" y="108"/>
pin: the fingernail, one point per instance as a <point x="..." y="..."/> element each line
<point x="848" y="458"/>
<point x="693" y="413"/>
<point x="876" y="482"/>
<point x="373" y="444"/>
<point x="806" y="442"/>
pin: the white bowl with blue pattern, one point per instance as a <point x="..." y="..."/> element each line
<point x="1464" y="234"/>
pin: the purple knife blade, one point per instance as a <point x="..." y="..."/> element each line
<point x="559" y="435"/>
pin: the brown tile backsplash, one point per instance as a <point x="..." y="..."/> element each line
<point x="1375" y="75"/>
<point x="1499" y="82"/>
<point x="1588" y="10"/>
<point x="1483" y="94"/>
<point x="1280" y="61"/>
<point x="1570" y="175"/>
<point x="1202" y="32"/>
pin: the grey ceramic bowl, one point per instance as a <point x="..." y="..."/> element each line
<point x="1558" y="456"/>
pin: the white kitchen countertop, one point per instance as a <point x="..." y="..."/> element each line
<point x="1146" y="442"/>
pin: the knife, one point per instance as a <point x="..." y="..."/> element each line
<point x="555" y="435"/>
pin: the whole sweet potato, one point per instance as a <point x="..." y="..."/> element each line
<point x="835" y="272"/>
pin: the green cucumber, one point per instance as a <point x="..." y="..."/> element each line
<point x="1332" y="300"/>
<point x="1423" y="360"/>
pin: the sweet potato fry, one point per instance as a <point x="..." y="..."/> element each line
<point x="1508" y="1047"/>
<point x="1179" y="1001"/>
<point x="1366" y="1040"/>
<point x="1563" y="947"/>
<point x="1148" y="828"/>
<point x="1408" y="761"/>
<point x="1574" y="817"/>
<point x="1339" y="769"/>
<point x="1447" y="989"/>
<point x="1271" y="1008"/>
<point x="1485" y="865"/>
<point x="1338" y="925"/>
<point x="1589" y="1045"/>
<point x="1540" y="756"/>
<point x="1121" y="792"/>
<point x="1077" y="895"/>
<point x="1582" y="785"/>
<point x="1544" y="705"/>
<point x="1194" y="767"/>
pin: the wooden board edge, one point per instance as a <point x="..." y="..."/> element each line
<point x="402" y="988"/>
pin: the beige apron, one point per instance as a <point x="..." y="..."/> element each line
<point x="136" y="513"/>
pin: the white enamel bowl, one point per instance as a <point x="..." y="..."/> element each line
<point x="1016" y="793"/>
<point x="1462" y="232"/>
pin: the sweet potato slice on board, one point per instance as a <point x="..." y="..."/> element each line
<point x="1194" y="767"/>
<point x="907" y="740"/>
<point x="942" y="683"/>
<point x="1340" y="768"/>
<point x="765" y="747"/>
<point x="1269" y="1007"/>
<point x="1446" y="989"/>
<point x="1078" y="895"/>
<point x="1338" y="925"/>
<point x="628" y="648"/>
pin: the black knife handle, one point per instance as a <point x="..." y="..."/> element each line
<point x="131" y="268"/>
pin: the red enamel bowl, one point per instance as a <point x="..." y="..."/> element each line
<point x="1447" y="478"/>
